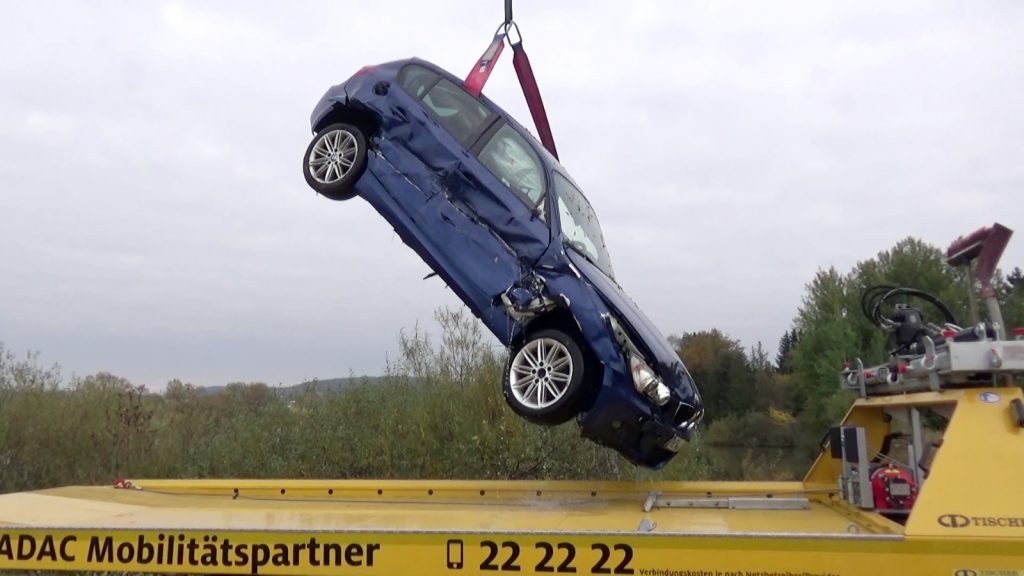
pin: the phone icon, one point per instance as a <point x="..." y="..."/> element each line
<point x="455" y="554"/>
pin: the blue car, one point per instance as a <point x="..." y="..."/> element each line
<point x="505" y="226"/>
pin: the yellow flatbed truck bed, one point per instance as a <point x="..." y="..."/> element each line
<point x="968" y="518"/>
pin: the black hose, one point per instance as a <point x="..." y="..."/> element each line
<point x="875" y="297"/>
<point x="883" y="453"/>
<point x="870" y="301"/>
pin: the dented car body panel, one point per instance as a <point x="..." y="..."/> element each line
<point x="499" y="244"/>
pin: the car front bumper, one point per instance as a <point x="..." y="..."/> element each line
<point x="626" y="422"/>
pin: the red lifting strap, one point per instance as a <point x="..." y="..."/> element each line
<point x="477" y="77"/>
<point x="532" y="93"/>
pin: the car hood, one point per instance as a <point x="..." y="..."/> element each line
<point x="664" y="358"/>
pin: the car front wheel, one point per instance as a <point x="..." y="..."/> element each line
<point x="334" y="161"/>
<point x="544" y="377"/>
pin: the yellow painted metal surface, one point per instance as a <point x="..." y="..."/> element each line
<point x="976" y="485"/>
<point x="969" y="520"/>
<point x="438" y="506"/>
<point x="869" y="414"/>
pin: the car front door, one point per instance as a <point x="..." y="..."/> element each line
<point x="511" y="192"/>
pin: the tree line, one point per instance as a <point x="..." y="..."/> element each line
<point x="437" y="412"/>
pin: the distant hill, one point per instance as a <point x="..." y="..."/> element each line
<point x="326" y="386"/>
<point x="329" y="385"/>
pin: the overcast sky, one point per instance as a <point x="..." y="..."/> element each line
<point x="154" y="221"/>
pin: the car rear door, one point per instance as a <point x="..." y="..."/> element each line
<point x="479" y="240"/>
<point x="489" y="191"/>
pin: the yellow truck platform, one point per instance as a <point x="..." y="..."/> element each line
<point x="967" y="520"/>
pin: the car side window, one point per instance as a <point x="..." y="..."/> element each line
<point x="461" y="114"/>
<point x="509" y="157"/>
<point x="416" y="80"/>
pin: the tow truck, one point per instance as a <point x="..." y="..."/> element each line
<point x="922" y="476"/>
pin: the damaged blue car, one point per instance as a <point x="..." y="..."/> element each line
<point x="505" y="226"/>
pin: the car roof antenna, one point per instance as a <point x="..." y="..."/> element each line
<point x="477" y="77"/>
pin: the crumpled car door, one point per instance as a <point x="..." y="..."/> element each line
<point x="477" y="240"/>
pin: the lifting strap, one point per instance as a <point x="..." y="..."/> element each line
<point x="532" y="93"/>
<point x="477" y="77"/>
<point x="474" y="83"/>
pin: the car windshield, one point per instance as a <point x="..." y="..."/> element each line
<point x="580" y="227"/>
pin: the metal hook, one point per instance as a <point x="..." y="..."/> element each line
<point x="504" y="29"/>
<point x="519" y="37"/>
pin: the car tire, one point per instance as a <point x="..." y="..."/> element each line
<point x="545" y="377"/>
<point x="334" y="161"/>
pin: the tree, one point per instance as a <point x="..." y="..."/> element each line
<point x="784" y="359"/>
<point x="462" y="344"/>
<point x="1011" y="299"/>
<point x="721" y="371"/>
<point x="114" y="423"/>
<point x="827" y="340"/>
<point x="1016" y="278"/>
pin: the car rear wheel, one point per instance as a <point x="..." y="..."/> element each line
<point x="544" y="378"/>
<point x="334" y="161"/>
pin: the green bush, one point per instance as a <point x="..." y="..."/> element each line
<point x="753" y="429"/>
<point x="438" y="413"/>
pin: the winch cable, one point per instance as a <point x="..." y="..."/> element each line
<point x="478" y="76"/>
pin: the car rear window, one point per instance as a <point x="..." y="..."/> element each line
<point x="416" y="80"/>
<point x="509" y="157"/>
<point x="456" y="110"/>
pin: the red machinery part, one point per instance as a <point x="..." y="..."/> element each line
<point x="893" y="488"/>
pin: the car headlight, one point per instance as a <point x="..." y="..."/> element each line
<point x="647" y="382"/>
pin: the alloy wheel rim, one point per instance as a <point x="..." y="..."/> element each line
<point x="540" y="373"/>
<point x="333" y="156"/>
